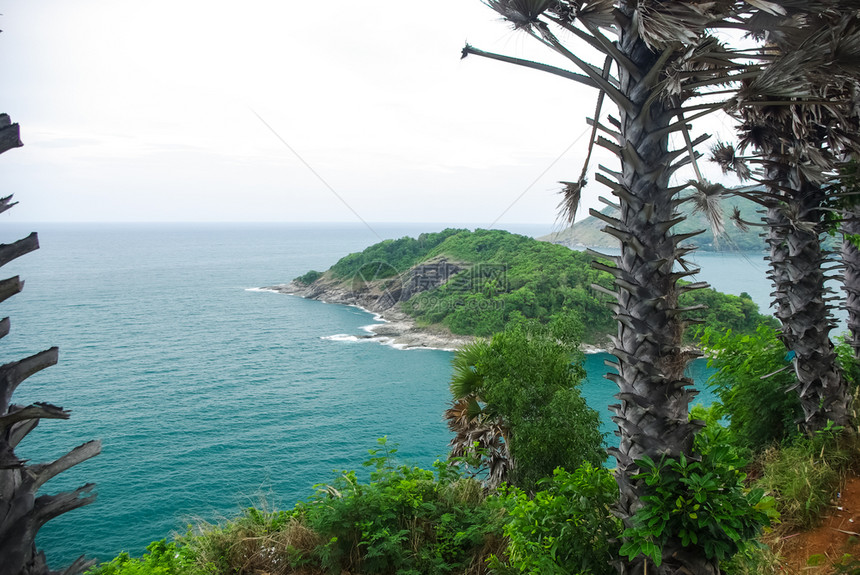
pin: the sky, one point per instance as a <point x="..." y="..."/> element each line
<point x="283" y="111"/>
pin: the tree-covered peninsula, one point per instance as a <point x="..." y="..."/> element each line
<point x="474" y="283"/>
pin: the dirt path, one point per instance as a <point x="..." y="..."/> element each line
<point x="838" y="534"/>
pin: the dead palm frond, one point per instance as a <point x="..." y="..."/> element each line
<point x="520" y="13"/>
<point x="725" y="156"/>
<point x="705" y="198"/>
<point x="738" y="220"/>
<point x="661" y="23"/>
<point x="571" y="194"/>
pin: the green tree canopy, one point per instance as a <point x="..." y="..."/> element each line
<point x="517" y="395"/>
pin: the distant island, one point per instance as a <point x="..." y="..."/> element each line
<point x="588" y="232"/>
<point x="442" y="289"/>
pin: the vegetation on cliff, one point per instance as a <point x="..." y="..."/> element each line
<point x="476" y="283"/>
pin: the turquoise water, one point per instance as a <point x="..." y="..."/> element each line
<point x="208" y="396"/>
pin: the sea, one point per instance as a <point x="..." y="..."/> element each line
<point x="210" y="395"/>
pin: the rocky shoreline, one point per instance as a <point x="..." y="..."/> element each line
<point x="396" y="328"/>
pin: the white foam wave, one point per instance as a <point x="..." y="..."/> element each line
<point x="343" y="337"/>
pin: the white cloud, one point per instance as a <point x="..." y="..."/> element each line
<point x="142" y="111"/>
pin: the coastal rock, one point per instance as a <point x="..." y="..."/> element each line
<point x="383" y="298"/>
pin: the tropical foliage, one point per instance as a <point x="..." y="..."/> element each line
<point x="754" y="375"/>
<point x="799" y="117"/>
<point x="662" y="57"/>
<point x="567" y="527"/>
<point x="508" y="277"/>
<point x="702" y="500"/>
<point x="161" y="558"/>
<point x="517" y="405"/>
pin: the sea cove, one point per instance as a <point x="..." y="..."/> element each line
<point x="197" y="384"/>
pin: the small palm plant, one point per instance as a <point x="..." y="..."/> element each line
<point x="517" y="411"/>
<point x="478" y="432"/>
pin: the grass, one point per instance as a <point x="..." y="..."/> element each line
<point x="805" y="476"/>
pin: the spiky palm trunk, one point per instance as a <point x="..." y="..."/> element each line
<point x="654" y="395"/>
<point x="22" y="511"/>
<point x="801" y="302"/>
<point x="851" y="275"/>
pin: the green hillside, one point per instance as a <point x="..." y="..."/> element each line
<point x="475" y="283"/>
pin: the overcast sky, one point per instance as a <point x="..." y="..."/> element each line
<point x="263" y="110"/>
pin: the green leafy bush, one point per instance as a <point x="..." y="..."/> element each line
<point x="518" y="396"/>
<point x="760" y="411"/>
<point x="161" y="558"/>
<point x="404" y="520"/>
<point x="567" y="527"/>
<point x="849" y="364"/>
<point x="702" y="503"/>
<point x="309" y="278"/>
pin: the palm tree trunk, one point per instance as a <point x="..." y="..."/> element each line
<point x="851" y="275"/>
<point x="22" y="511"/>
<point x="654" y="395"/>
<point x="802" y="305"/>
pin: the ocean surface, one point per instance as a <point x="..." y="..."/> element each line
<point x="209" y="395"/>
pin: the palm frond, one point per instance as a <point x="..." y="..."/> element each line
<point x="662" y="22"/>
<point x="520" y="13"/>
<point x="593" y="13"/>
<point x="725" y="156"/>
<point x="465" y="379"/>
<point x="769" y="7"/>
<point x="706" y="199"/>
<point x="797" y="218"/>
<point x="738" y="221"/>
<point x="571" y="195"/>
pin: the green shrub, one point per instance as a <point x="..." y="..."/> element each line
<point x="702" y="503"/>
<point x="849" y="364"/>
<point x="760" y="411"/>
<point x="517" y="395"/>
<point x="161" y="558"/>
<point x="405" y="520"/>
<point x="309" y="278"/>
<point x="567" y="527"/>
